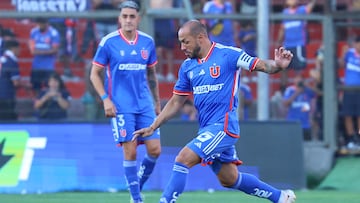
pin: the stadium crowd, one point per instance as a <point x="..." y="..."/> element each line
<point x="62" y="49"/>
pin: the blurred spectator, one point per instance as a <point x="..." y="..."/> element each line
<point x="278" y="110"/>
<point x="44" y="43"/>
<point x="9" y="80"/>
<point x="246" y="100"/>
<point x="247" y="38"/>
<point x="298" y="98"/>
<point x="68" y="45"/>
<point x="220" y="30"/>
<point x="293" y="35"/>
<point x="248" y="6"/>
<point x="104" y="26"/>
<point x="188" y="111"/>
<point x="317" y="77"/>
<point x="165" y="37"/>
<point x="198" y="5"/>
<point x="351" y="98"/>
<point x="53" y="102"/>
<point x="5" y="34"/>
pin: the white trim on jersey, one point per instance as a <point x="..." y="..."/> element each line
<point x="237" y="78"/>
<point x="146" y="35"/>
<point x="108" y="36"/>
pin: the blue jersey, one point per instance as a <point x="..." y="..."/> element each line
<point x="126" y="63"/>
<point x="294" y="30"/>
<point x="44" y="41"/>
<point x="226" y="35"/>
<point x="352" y="68"/>
<point x="214" y="82"/>
<point x="299" y="109"/>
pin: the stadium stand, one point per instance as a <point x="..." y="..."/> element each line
<point x="77" y="88"/>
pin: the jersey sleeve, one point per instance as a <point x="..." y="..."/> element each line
<point x="244" y="60"/>
<point x="101" y="56"/>
<point x="288" y="93"/>
<point x="182" y="86"/>
<point x="152" y="57"/>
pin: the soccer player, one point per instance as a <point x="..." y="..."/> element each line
<point x="128" y="56"/>
<point x="211" y="74"/>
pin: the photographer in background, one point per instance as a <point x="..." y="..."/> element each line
<point x="299" y="98"/>
<point x="52" y="103"/>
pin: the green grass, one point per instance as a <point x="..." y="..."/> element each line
<point x="188" y="197"/>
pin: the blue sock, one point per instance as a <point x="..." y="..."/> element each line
<point x="176" y="183"/>
<point x="146" y="168"/>
<point x="132" y="179"/>
<point x="251" y="185"/>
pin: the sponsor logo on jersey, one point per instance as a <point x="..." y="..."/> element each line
<point x="202" y="72"/>
<point x="204" y="89"/>
<point x="133" y="52"/>
<point x="132" y="66"/>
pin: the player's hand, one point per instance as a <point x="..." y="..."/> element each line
<point x="144" y="132"/>
<point x="109" y="107"/>
<point x="283" y="57"/>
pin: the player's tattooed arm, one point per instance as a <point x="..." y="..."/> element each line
<point x="267" y="66"/>
<point x="281" y="61"/>
<point x="154" y="87"/>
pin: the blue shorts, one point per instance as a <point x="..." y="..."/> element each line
<point x="298" y="61"/>
<point x="123" y="126"/>
<point x="351" y="103"/>
<point x="214" y="147"/>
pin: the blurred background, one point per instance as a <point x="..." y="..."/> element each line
<point x="303" y="110"/>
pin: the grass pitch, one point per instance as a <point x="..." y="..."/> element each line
<point x="316" y="196"/>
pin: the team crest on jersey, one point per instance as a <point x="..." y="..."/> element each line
<point x="144" y="54"/>
<point x="214" y="71"/>
<point x="122" y="132"/>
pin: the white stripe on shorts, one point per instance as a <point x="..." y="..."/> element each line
<point x="211" y="146"/>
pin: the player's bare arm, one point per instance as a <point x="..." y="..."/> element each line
<point x="154" y="88"/>
<point x="170" y="110"/>
<point x="96" y="80"/>
<point x="281" y="62"/>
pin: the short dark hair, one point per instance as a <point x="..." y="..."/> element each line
<point x="129" y="4"/>
<point x="8" y="44"/>
<point x="41" y="20"/>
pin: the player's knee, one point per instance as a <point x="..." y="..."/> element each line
<point x="228" y="175"/>
<point x="227" y="181"/>
<point x="155" y="152"/>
